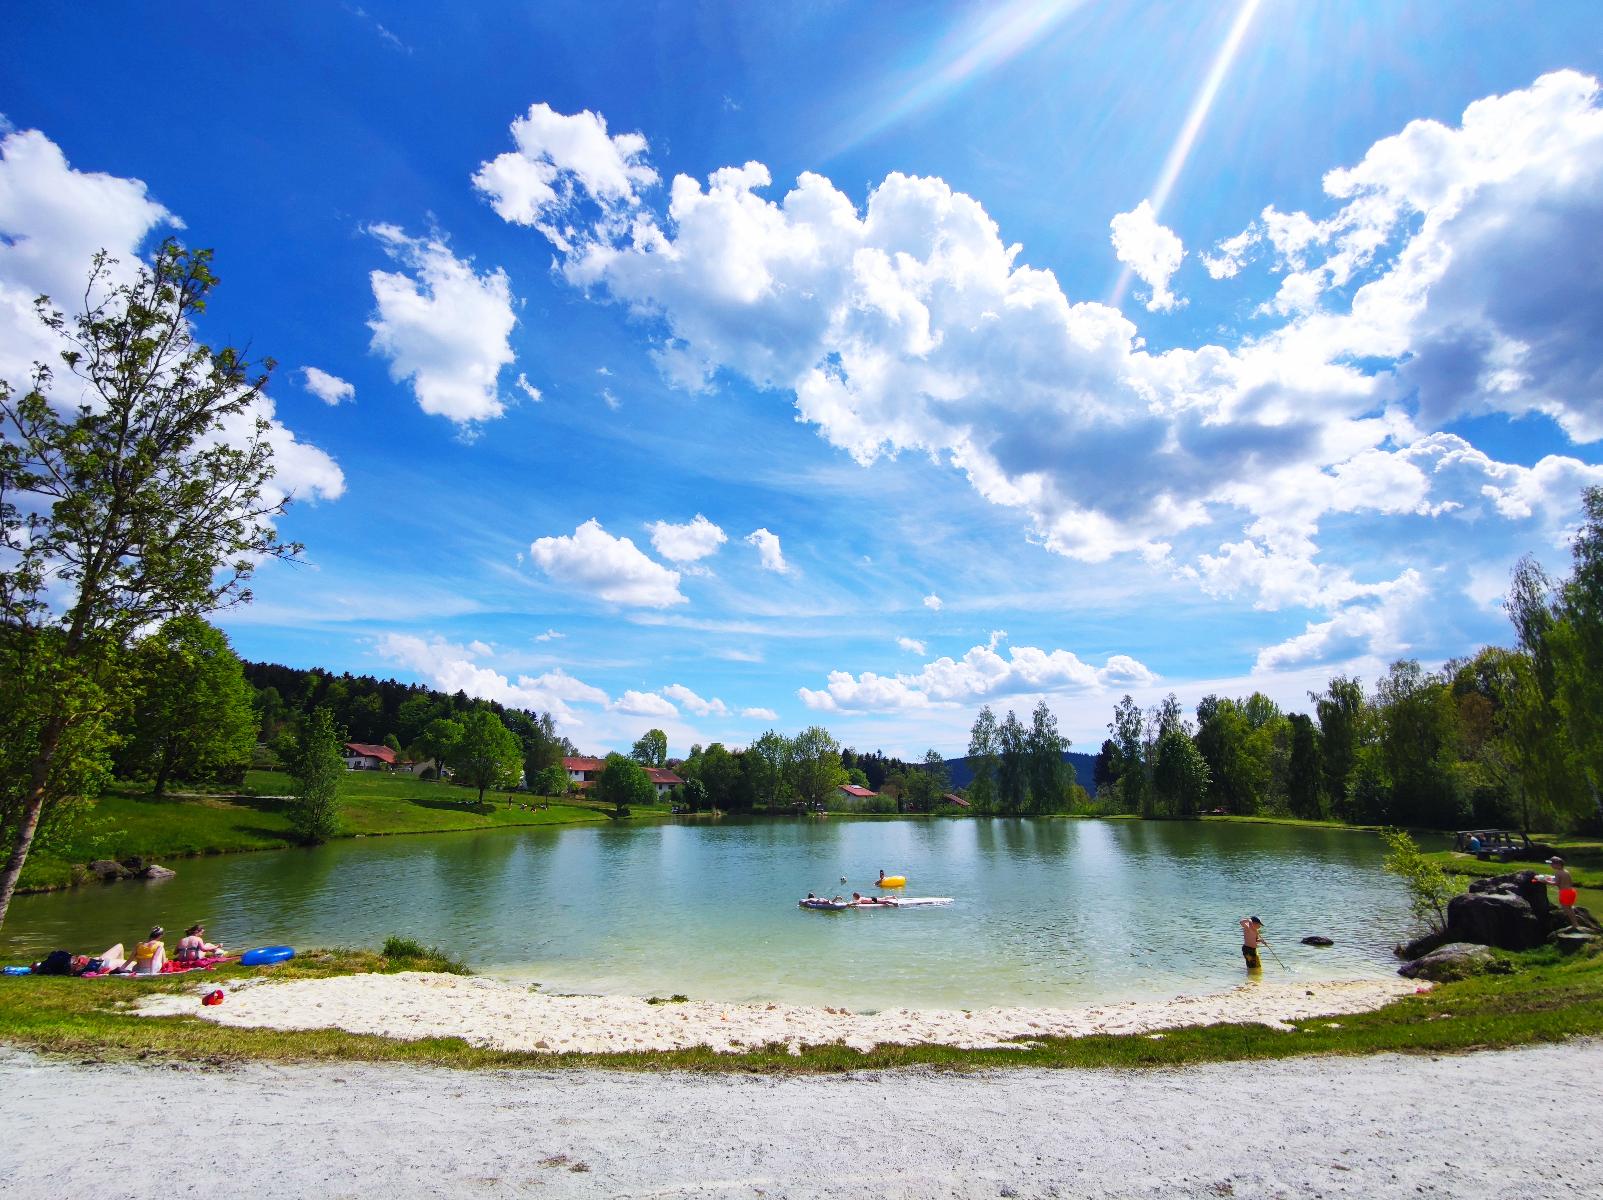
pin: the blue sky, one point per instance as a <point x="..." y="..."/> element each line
<point x="718" y="367"/>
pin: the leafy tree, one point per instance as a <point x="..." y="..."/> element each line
<point x="1343" y="728"/>
<point x="1047" y="771"/>
<point x="1418" y="740"/>
<point x="146" y="500"/>
<point x="1105" y="771"/>
<point x="694" y="794"/>
<point x="439" y="739"/>
<point x="624" y="782"/>
<point x="1013" y="765"/>
<point x="191" y="716"/>
<point x="983" y="760"/>
<point x="393" y="743"/>
<point x="486" y="755"/>
<point x="1128" y="728"/>
<point x="652" y="748"/>
<point x="317" y="768"/>
<point x="764" y="767"/>
<point x="551" y="781"/>
<point x="1303" y="783"/>
<point x="923" y="786"/>
<point x="1429" y="887"/>
<point x="1180" y="773"/>
<point x="814" y="771"/>
<point x="719" y="771"/>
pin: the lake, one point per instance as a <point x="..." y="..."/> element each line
<point x="1045" y="912"/>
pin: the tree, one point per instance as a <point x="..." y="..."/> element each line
<point x="719" y="771"/>
<point x="317" y="768"/>
<point x="1418" y="740"/>
<point x="624" y="782"/>
<point x="694" y="795"/>
<point x="814" y="771"/>
<point x="1343" y="729"/>
<point x="439" y="740"/>
<point x="551" y="781"/>
<point x="146" y="500"/>
<point x="191" y="716"/>
<point x="1303" y="777"/>
<point x="1046" y="770"/>
<point x="1128" y="728"/>
<point x="486" y="755"/>
<point x="652" y="748"/>
<point x="1179" y="774"/>
<point x="1105" y="771"/>
<point x="1013" y="766"/>
<point x="923" y="786"/>
<point x="764" y="767"/>
<point x="983" y="761"/>
<point x="1429" y="887"/>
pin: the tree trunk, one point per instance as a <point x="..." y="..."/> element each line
<point x="39" y="777"/>
<point x="168" y="753"/>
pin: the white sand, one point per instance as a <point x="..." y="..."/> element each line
<point x="510" y="1016"/>
<point x="1494" y="1124"/>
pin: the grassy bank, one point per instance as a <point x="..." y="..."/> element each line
<point x="1584" y="857"/>
<point x="127" y="821"/>
<point x="1545" y="998"/>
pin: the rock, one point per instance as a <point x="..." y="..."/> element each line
<point x="1505" y="919"/>
<point x="106" y="869"/>
<point x="1569" y="941"/>
<point x="135" y="865"/>
<point x="155" y="872"/>
<point x="1317" y="940"/>
<point x="1456" y="960"/>
<point x="1420" y="946"/>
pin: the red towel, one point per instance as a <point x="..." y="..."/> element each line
<point x="200" y="964"/>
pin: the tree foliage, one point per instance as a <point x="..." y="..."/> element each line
<point x="624" y="782"/>
<point x="651" y="750"/>
<point x="486" y="755"/>
<point x="317" y="768"/>
<point x="144" y="499"/>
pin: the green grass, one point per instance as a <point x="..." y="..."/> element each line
<point x="128" y="821"/>
<point x="1584" y="857"/>
<point x="1546" y="998"/>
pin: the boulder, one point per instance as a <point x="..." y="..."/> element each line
<point x="1504" y="919"/>
<point x="1569" y="941"/>
<point x="1420" y="946"/>
<point x="155" y="872"/>
<point x="1456" y="960"/>
<point x="1317" y="940"/>
<point x="106" y="869"/>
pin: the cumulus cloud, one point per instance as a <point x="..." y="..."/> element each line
<point x="1152" y="251"/>
<point x="528" y="389"/>
<point x="760" y="714"/>
<point x="452" y="668"/>
<point x="550" y="635"/>
<point x="695" y="539"/>
<point x="981" y="674"/>
<point x="688" y="699"/>
<point x="444" y="327"/>
<point x="911" y="646"/>
<point x="612" y="568"/>
<point x="330" y="389"/>
<point x="1376" y="629"/>
<point x="933" y="602"/>
<point x="1455" y="277"/>
<point x="53" y="220"/>
<point x="642" y="704"/>
<point x="768" y="551"/>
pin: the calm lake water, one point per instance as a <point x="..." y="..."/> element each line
<point x="1045" y="912"/>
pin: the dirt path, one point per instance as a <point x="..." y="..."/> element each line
<point x="1463" y="1126"/>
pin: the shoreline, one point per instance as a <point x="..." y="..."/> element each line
<point x="506" y="1016"/>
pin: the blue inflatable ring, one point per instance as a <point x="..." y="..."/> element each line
<point x="264" y="956"/>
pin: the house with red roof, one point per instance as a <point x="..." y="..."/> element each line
<point x="852" y="795"/>
<point x="583" y="773"/>
<point x="363" y="756"/>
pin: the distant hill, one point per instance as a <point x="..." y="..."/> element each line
<point x="1084" y="765"/>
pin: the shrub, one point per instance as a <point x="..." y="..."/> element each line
<point x="1429" y="887"/>
<point x="412" y="955"/>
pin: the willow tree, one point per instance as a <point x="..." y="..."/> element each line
<point x="132" y="492"/>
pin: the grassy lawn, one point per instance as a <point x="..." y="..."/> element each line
<point x="127" y="821"/>
<point x="1545" y="998"/>
<point x="1583" y="856"/>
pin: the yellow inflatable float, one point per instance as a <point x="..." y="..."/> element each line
<point x="885" y="880"/>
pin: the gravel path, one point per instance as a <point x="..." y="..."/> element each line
<point x="1460" y="1126"/>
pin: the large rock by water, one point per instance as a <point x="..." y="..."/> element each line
<point x="158" y="872"/>
<point x="1503" y="919"/>
<point x="1456" y="960"/>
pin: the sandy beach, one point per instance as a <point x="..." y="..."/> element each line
<point x="511" y="1016"/>
<point x="1366" y="1127"/>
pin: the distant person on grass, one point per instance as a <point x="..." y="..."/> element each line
<point x="1251" y="939"/>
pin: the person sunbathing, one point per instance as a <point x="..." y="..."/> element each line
<point x="150" y="955"/>
<point x="195" y="948"/>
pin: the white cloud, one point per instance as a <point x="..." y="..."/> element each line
<point x="451" y="668"/>
<point x="933" y="602"/>
<point x="760" y="714"/>
<point x="330" y="389"/>
<point x="642" y="704"/>
<point x="1376" y="629"/>
<point x="550" y="635"/>
<point x="979" y="675"/>
<point x="53" y="220"/>
<point x="695" y="539"/>
<point x="688" y="699"/>
<point x="559" y="160"/>
<point x="1151" y="250"/>
<point x="613" y="568"/>
<point x="1456" y="278"/>
<point x="611" y="401"/>
<point x="444" y="328"/>
<point x="528" y="389"/>
<point x="911" y="646"/>
<point x="768" y="551"/>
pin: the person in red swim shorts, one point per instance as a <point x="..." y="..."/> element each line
<point x="1561" y="879"/>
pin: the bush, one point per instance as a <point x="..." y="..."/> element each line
<point x="412" y="955"/>
<point x="1429" y="887"/>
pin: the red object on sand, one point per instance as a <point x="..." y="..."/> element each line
<point x="213" y="997"/>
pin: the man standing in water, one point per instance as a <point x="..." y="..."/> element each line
<point x="1251" y="938"/>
